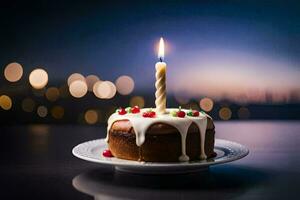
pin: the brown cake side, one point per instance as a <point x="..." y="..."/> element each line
<point x="162" y="143"/>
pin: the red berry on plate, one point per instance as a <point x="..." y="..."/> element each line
<point x="107" y="153"/>
<point x="181" y="114"/>
<point x="122" y="111"/>
<point x="195" y="113"/>
<point x="135" y="109"/>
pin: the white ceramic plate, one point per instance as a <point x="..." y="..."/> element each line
<point x="227" y="151"/>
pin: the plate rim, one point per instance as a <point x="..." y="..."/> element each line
<point x="244" y="151"/>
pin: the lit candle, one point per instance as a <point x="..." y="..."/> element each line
<point x="160" y="84"/>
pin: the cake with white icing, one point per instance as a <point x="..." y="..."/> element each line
<point x="178" y="135"/>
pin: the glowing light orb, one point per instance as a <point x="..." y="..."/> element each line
<point x="137" y="101"/>
<point x="225" y="113"/>
<point x="38" y="78"/>
<point x="5" y="102"/>
<point x="113" y="89"/>
<point x="75" y="77"/>
<point x="125" y="85"/>
<point x="13" y="72"/>
<point x="57" y="112"/>
<point x="42" y="111"/>
<point x="28" y="105"/>
<point x="78" y="88"/>
<point x="101" y="89"/>
<point x="52" y="94"/>
<point x="90" y="81"/>
<point x="243" y="113"/>
<point x="91" y="116"/>
<point x="206" y="104"/>
<point x="104" y="89"/>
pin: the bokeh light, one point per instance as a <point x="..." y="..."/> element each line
<point x="137" y="101"/>
<point x="90" y="81"/>
<point x="206" y="104"/>
<point x="42" y="111"/>
<point x="52" y="94"/>
<point x="91" y="116"/>
<point x="125" y="85"/>
<point x="57" y="112"/>
<point x="104" y="89"/>
<point x="5" y="102"/>
<point x="78" y="88"/>
<point x="75" y="77"/>
<point x="28" y="105"/>
<point x="225" y="113"/>
<point x="243" y="113"/>
<point x="113" y="89"/>
<point x="13" y="72"/>
<point x="38" y="78"/>
<point x="101" y="89"/>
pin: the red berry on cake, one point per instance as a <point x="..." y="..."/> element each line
<point x="135" y="109"/>
<point x="122" y="111"/>
<point x="180" y="113"/>
<point x="150" y="114"/>
<point x="195" y="113"/>
<point x="107" y="153"/>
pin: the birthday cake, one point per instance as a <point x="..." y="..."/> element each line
<point x="160" y="135"/>
<point x="143" y="135"/>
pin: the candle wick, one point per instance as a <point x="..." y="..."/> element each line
<point x="160" y="59"/>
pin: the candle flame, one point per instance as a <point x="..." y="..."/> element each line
<point x="161" y="50"/>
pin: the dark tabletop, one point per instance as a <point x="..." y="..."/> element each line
<point x="36" y="163"/>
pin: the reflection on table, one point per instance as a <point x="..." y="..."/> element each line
<point x="105" y="183"/>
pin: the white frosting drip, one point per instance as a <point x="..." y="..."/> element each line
<point x="140" y="125"/>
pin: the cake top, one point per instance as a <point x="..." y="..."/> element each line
<point x="181" y="119"/>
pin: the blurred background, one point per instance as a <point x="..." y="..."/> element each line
<point x="76" y="62"/>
